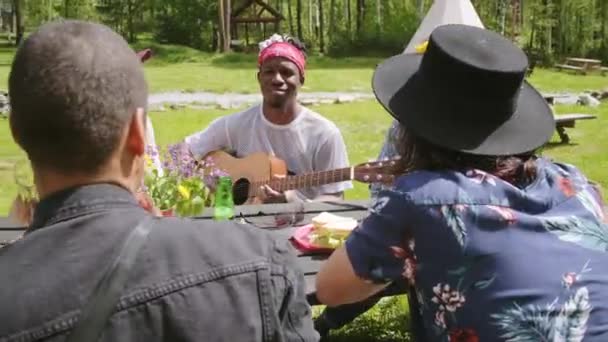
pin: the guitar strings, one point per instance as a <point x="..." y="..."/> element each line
<point x="245" y="187"/>
<point x="242" y="187"/>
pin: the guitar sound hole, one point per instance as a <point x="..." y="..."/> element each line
<point x="240" y="191"/>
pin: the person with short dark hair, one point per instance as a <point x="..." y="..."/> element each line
<point x="494" y="241"/>
<point x="78" y="98"/>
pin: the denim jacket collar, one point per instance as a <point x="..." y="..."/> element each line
<point x="80" y="200"/>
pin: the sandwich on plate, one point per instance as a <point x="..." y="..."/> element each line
<point x="330" y="231"/>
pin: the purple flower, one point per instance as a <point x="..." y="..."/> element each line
<point x="152" y="150"/>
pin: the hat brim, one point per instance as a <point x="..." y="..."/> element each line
<point x="396" y="87"/>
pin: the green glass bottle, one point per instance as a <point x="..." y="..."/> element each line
<point x="224" y="204"/>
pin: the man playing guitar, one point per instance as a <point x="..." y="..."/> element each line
<point x="280" y="126"/>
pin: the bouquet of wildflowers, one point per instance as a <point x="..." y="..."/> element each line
<point x="181" y="185"/>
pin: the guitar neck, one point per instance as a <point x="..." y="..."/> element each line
<point x="309" y="179"/>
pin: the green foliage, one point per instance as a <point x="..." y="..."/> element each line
<point x="181" y="184"/>
<point x="186" y="22"/>
<point x="548" y="29"/>
<point x="186" y="196"/>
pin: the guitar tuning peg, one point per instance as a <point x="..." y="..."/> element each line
<point x="378" y="177"/>
<point x="380" y="164"/>
<point x="366" y="177"/>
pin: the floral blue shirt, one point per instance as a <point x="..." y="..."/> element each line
<point x="489" y="261"/>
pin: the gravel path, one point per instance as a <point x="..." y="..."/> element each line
<point x="205" y="100"/>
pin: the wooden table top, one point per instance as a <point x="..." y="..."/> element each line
<point x="261" y="216"/>
<point x="583" y="60"/>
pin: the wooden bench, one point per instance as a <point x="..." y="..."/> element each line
<point x="581" y="65"/>
<point x="569" y="121"/>
<point x="571" y="67"/>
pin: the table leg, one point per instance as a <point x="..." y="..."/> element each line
<point x="561" y="131"/>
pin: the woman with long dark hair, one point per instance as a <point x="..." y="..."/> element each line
<point x="496" y="242"/>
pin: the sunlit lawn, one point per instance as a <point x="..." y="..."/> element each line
<point x="185" y="69"/>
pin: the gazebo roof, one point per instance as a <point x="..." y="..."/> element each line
<point x="275" y="16"/>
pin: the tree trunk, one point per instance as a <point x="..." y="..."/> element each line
<point x="379" y="16"/>
<point x="290" y="17"/>
<point x="227" y="25"/>
<point x="299" y="18"/>
<point x="66" y="8"/>
<point x="19" y="21"/>
<point x="503" y="16"/>
<point x="360" y="15"/>
<point x="332" y="19"/>
<point x="130" y="14"/>
<point x="321" y="27"/>
<point x="221" y="26"/>
<point x="311" y="29"/>
<point x="349" y="18"/>
<point x="604" y="19"/>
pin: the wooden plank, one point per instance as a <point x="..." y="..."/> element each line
<point x="583" y="60"/>
<point x="255" y="20"/>
<point x="573" y="117"/>
<point x="568" y="120"/>
<point x="250" y="211"/>
<point x="568" y="67"/>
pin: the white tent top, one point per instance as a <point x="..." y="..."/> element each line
<point x="444" y="12"/>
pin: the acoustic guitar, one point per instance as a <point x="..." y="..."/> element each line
<point x="248" y="174"/>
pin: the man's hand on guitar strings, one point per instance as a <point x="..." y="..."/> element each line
<point x="269" y="195"/>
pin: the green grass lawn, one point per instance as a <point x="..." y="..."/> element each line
<point x="182" y="68"/>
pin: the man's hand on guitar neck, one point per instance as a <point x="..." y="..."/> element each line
<point x="269" y="195"/>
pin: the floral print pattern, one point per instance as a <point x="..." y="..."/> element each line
<point x="491" y="261"/>
<point x="554" y="322"/>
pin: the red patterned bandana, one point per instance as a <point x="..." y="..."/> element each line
<point x="285" y="50"/>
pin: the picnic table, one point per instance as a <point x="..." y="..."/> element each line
<point x="565" y="120"/>
<point x="582" y="65"/>
<point x="263" y="217"/>
<point x="569" y="120"/>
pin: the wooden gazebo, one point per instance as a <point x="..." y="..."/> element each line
<point x="254" y="12"/>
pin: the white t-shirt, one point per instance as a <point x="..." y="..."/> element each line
<point x="309" y="143"/>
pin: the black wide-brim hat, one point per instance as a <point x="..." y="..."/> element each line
<point x="466" y="93"/>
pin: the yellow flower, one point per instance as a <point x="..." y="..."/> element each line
<point x="148" y="160"/>
<point x="183" y="191"/>
<point x="421" y="48"/>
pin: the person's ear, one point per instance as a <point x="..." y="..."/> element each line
<point x="136" y="134"/>
<point x="258" y="75"/>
